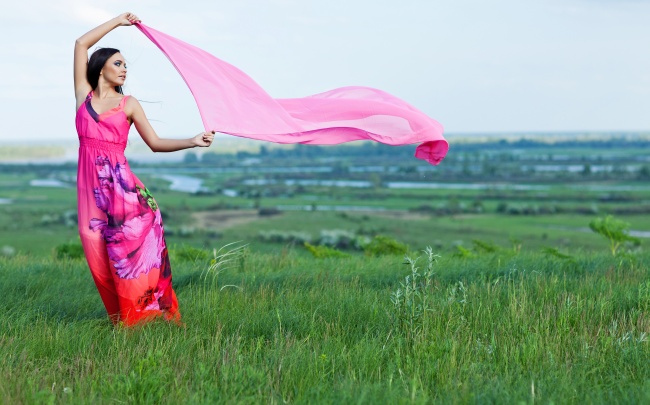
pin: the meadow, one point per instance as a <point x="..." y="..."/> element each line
<point x="499" y="327"/>
<point x="487" y="287"/>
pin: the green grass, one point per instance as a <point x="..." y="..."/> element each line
<point x="568" y="325"/>
<point x="503" y="328"/>
<point x="26" y="223"/>
<point x="24" y="227"/>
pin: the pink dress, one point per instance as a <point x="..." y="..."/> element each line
<point x="119" y="223"/>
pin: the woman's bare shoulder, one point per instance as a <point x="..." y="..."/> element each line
<point x="130" y="99"/>
<point x="132" y="107"/>
<point x="131" y="102"/>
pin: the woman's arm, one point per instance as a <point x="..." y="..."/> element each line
<point x="81" y="46"/>
<point x="134" y="111"/>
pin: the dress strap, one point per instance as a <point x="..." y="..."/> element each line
<point x="123" y="102"/>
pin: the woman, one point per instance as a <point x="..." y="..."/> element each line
<point x="119" y="221"/>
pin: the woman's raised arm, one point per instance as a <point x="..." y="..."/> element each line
<point x="83" y="43"/>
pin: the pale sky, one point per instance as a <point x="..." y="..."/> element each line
<point x="476" y="66"/>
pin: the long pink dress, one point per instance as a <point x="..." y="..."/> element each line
<point x="119" y="223"/>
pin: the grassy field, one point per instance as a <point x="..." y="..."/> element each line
<point x="47" y="215"/>
<point x="524" y="305"/>
<point x="286" y="328"/>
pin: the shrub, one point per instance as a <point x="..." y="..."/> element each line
<point x="412" y="300"/>
<point x="321" y="252"/>
<point x="485" y="247"/>
<point x="71" y="250"/>
<point x="615" y="230"/>
<point x="268" y="212"/>
<point x="337" y="238"/>
<point x="551" y="251"/>
<point x="284" y="236"/>
<point x="69" y="218"/>
<point x="190" y="253"/>
<point x="462" y="252"/>
<point x="341" y="239"/>
<point x="383" y="245"/>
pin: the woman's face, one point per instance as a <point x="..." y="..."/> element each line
<point x="114" y="70"/>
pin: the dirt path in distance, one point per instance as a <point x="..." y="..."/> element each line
<point x="223" y="219"/>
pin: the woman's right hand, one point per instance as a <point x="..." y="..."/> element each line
<point x="204" y="139"/>
<point x="126" y="19"/>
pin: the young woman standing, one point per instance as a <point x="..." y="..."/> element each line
<point x="119" y="221"/>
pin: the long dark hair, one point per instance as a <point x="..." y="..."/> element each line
<point x="96" y="63"/>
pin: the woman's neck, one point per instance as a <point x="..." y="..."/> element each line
<point x="104" y="90"/>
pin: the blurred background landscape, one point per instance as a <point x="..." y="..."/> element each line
<point x="529" y="191"/>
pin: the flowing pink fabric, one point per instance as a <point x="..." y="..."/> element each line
<point x="231" y="102"/>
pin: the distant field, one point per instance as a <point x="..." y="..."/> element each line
<point x="527" y="194"/>
<point x="44" y="150"/>
<point x="33" y="218"/>
<point x="11" y="153"/>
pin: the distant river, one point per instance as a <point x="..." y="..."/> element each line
<point x="48" y="183"/>
<point x="396" y="184"/>
<point x="579" y="168"/>
<point x="275" y="169"/>
<point x="362" y="208"/>
<point x="322" y="183"/>
<point x="183" y="184"/>
<point x="189" y="184"/>
<point x="463" y="186"/>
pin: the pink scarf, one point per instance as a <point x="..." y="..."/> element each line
<point x="231" y="102"/>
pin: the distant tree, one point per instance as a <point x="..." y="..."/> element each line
<point x="190" y="157"/>
<point x="244" y="155"/>
<point x="586" y="169"/>
<point x="619" y="170"/>
<point x="340" y="168"/>
<point x="489" y="168"/>
<point x="454" y="206"/>
<point x="614" y="230"/>
<point x="644" y="172"/>
<point x="375" y="180"/>
<point x="466" y="164"/>
<point x="209" y="157"/>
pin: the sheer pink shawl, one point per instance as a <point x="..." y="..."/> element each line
<point x="230" y="102"/>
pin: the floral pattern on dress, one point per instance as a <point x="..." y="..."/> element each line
<point x="133" y="230"/>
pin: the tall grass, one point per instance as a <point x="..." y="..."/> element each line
<point x="498" y="328"/>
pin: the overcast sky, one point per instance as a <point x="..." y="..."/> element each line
<point x="476" y="66"/>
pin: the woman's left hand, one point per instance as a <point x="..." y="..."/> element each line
<point x="204" y="139"/>
<point x="126" y="19"/>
